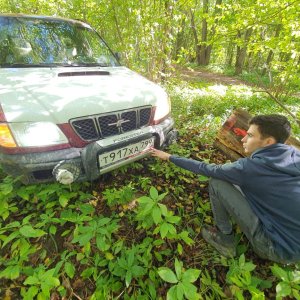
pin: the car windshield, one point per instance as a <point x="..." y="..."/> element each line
<point x="43" y="42"/>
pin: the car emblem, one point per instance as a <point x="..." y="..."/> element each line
<point x="119" y="123"/>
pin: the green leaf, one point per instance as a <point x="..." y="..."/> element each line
<point x="52" y="229"/>
<point x="11" y="272"/>
<point x="164" y="210"/>
<point x="6" y="188"/>
<point x="184" y="235"/>
<point x="190" y="291"/>
<point x="191" y="275"/>
<point x="203" y="178"/>
<point x="122" y="263"/>
<point x="167" y="275"/>
<point x="179" y="249"/>
<point x="128" y="278"/>
<point x="153" y="193"/>
<point x="249" y="267"/>
<point x="69" y="269"/>
<point x="101" y="243"/>
<point x="280" y="273"/>
<point x="42" y="296"/>
<point x="296" y="293"/>
<point x="52" y="282"/>
<point x="164" y="228"/>
<point x="144" y="200"/>
<point x="171" y="229"/>
<point x="178" y="268"/>
<point x="87" y="272"/>
<point x="162" y="196"/>
<point x="32" y="291"/>
<point x="138" y="271"/>
<point x="83" y="239"/>
<point x="130" y="258"/>
<point x="172" y="293"/>
<point x="63" y="200"/>
<point x="179" y="291"/>
<point x="29" y="232"/>
<point x="10" y="237"/>
<point x="173" y="219"/>
<point x="31" y="280"/>
<point x="156" y="215"/>
<point x="103" y="221"/>
<point x="283" y="289"/>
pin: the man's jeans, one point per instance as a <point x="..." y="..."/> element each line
<point x="228" y="202"/>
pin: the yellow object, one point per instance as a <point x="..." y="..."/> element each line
<point x="6" y="138"/>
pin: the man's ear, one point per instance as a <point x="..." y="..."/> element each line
<point x="270" y="140"/>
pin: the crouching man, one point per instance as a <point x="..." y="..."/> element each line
<point x="261" y="193"/>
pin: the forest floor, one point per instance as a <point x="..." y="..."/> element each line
<point x="189" y="74"/>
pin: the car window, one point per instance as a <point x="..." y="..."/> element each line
<point x="43" y="42"/>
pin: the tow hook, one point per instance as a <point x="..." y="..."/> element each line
<point x="171" y="137"/>
<point x="66" y="172"/>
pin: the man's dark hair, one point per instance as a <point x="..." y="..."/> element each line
<point x="276" y="126"/>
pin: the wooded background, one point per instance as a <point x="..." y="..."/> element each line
<point x="152" y="35"/>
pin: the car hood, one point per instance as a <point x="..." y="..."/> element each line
<point x="60" y="94"/>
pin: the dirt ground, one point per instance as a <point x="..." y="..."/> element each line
<point x="205" y="75"/>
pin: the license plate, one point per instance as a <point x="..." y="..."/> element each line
<point x="117" y="155"/>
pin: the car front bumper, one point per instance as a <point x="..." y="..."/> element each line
<point x="41" y="167"/>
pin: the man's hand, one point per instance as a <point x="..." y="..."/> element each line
<point x="160" y="154"/>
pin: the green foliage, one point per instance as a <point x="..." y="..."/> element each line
<point x="239" y="275"/>
<point x="211" y="287"/>
<point x="127" y="266"/>
<point x="6" y="193"/>
<point x="150" y="211"/>
<point x="289" y="285"/>
<point x="182" y="279"/>
<point x="100" y="228"/>
<point x="119" y="196"/>
<point x="40" y="282"/>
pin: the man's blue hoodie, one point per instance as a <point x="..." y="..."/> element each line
<point x="270" y="180"/>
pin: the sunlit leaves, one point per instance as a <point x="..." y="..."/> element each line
<point x="289" y="284"/>
<point x="30" y="232"/>
<point x="184" y="289"/>
<point x="41" y="282"/>
<point x="167" y="275"/>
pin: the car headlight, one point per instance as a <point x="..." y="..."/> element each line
<point x="163" y="109"/>
<point x="37" y="134"/>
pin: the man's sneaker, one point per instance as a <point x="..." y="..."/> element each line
<point x="224" y="243"/>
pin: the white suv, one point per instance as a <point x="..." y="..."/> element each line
<point x="68" y="110"/>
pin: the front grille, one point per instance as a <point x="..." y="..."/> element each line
<point x="101" y="126"/>
<point x="86" y="129"/>
<point x="107" y="125"/>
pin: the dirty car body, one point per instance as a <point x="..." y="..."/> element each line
<point x="68" y="107"/>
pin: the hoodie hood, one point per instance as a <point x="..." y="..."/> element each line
<point x="281" y="157"/>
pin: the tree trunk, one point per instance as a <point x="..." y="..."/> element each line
<point x="241" y="52"/>
<point x="203" y="47"/>
<point x="194" y="30"/>
<point x="271" y="53"/>
<point x="229" y="55"/>
<point x="248" y="61"/>
<point x="179" y="40"/>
